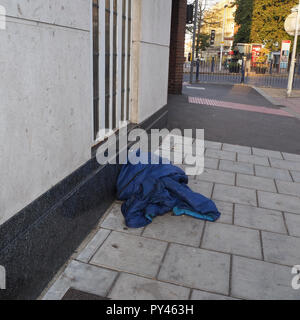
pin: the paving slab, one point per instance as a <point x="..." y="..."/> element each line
<point x="272" y="173"/>
<point x="196" y="268"/>
<point x="267" y="153"/>
<point x="131" y="254"/>
<point x="183" y="229"/>
<point x="203" y="295"/>
<point x="87" y="253"/>
<point x="263" y="161"/>
<point x="281" y="249"/>
<point x="238" y="167"/>
<point x="131" y="287"/>
<point x="115" y="221"/>
<point x="232" y="239"/>
<point x="217" y="176"/>
<point x="288" y="188"/>
<point x="213" y="145"/>
<point x="258" y="280"/>
<point x="257" y="218"/>
<point x="293" y="224"/>
<point x="285" y="164"/>
<point x="279" y="202"/>
<point x="211" y="163"/>
<point x="82" y="277"/>
<point x="202" y="187"/>
<point x="236" y="148"/>
<point x="235" y="194"/>
<point x="291" y="156"/>
<point x="257" y="183"/>
<point x="219" y="154"/>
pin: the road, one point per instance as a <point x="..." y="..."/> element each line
<point x="263" y="129"/>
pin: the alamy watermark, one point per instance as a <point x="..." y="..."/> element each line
<point x="2" y="278"/>
<point x="176" y="147"/>
<point x="2" y="18"/>
<point x="296" y="278"/>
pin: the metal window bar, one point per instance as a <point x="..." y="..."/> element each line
<point x="96" y="66"/>
<point x="111" y="64"/>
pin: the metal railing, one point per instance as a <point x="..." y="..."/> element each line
<point x="242" y="71"/>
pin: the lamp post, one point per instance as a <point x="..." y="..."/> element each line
<point x="222" y="43"/>
<point x="293" y="62"/>
<point x="194" y="40"/>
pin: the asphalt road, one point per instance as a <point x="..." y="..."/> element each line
<point x="240" y="127"/>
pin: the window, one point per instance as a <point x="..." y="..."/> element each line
<point x="111" y="64"/>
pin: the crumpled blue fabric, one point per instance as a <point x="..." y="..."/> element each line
<point x="150" y="190"/>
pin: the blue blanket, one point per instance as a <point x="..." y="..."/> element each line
<point x="150" y="190"/>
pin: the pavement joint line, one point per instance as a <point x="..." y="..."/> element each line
<point x="290" y="173"/>
<point x="109" y="291"/>
<point x="233" y="214"/>
<point x="190" y="294"/>
<point x="261" y="245"/>
<point x="144" y="229"/>
<point x="230" y="275"/>
<point x="92" y="256"/>
<point x="219" y="163"/>
<point x="202" y="235"/>
<point x="286" y="226"/>
<point x="276" y="186"/>
<point x="163" y="260"/>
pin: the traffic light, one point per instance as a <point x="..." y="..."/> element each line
<point x="189" y="13"/>
<point x="190" y="57"/>
<point x="212" y="37"/>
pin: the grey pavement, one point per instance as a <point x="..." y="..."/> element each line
<point x="247" y="254"/>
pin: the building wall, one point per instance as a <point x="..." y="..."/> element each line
<point x="178" y="25"/>
<point x="45" y="97"/>
<point x="150" y="54"/>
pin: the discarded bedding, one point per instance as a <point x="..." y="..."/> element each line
<point x="150" y="190"/>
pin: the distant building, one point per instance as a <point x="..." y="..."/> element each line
<point x="213" y="22"/>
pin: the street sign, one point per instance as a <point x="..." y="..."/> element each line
<point x="285" y="53"/>
<point x="290" y="23"/>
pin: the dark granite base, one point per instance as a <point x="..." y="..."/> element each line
<point x="37" y="241"/>
<point x="73" y="294"/>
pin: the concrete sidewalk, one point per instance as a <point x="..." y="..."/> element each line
<point x="248" y="254"/>
<point x="278" y="97"/>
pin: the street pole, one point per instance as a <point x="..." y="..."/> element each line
<point x="293" y="62"/>
<point x="223" y="33"/>
<point x="194" y="40"/>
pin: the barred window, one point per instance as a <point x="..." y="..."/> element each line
<point x="111" y="64"/>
